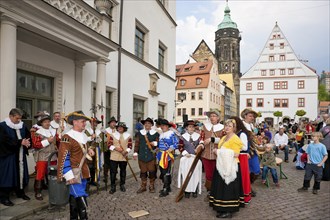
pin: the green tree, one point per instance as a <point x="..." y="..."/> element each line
<point x="278" y="114"/>
<point x="323" y="93"/>
<point x="300" y="113"/>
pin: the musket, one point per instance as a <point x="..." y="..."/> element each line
<point x="97" y="150"/>
<point x="190" y="173"/>
<point x="63" y="116"/>
<point x="129" y="165"/>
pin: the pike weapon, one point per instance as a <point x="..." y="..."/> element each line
<point x="63" y="116"/>
<point x="129" y="165"/>
<point x="190" y="173"/>
<point x="103" y="133"/>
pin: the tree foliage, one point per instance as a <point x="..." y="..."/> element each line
<point x="259" y="115"/>
<point x="323" y="93"/>
<point x="278" y="114"/>
<point x="300" y="112"/>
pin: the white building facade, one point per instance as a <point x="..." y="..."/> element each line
<point x="279" y="82"/>
<point x="66" y="55"/>
<point x="201" y="88"/>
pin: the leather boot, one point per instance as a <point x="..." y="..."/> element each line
<point x="113" y="183"/>
<point x="37" y="189"/>
<point x="143" y="187"/>
<point x="152" y="178"/>
<point x="73" y="208"/>
<point x="166" y="186"/>
<point x="82" y="207"/>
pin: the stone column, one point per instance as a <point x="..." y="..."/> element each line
<point x="78" y="85"/>
<point x="101" y="84"/>
<point x="8" y="72"/>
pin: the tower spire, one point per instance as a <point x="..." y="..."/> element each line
<point x="227" y="22"/>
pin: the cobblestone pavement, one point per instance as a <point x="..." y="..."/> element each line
<point x="271" y="203"/>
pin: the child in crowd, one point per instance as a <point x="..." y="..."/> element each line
<point x="316" y="156"/>
<point x="268" y="162"/>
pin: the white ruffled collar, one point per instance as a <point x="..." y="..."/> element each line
<point x="54" y="124"/>
<point x="91" y="131"/>
<point x="151" y="131"/>
<point x="46" y="132"/>
<point x="117" y="135"/>
<point x="110" y="130"/>
<point x="10" y="124"/>
<point x="166" y="134"/>
<point x="216" y="127"/>
<point x="194" y="136"/>
<point x="80" y="137"/>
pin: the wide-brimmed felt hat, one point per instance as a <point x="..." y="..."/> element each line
<point x="97" y="121"/>
<point x="38" y="115"/>
<point x="189" y="122"/>
<point x="147" y="120"/>
<point x="214" y="111"/>
<point x="42" y="117"/>
<point x="247" y="111"/>
<point x="157" y="121"/>
<point x="165" y="122"/>
<point x="112" y="119"/>
<point x="76" y="115"/>
<point x="122" y="124"/>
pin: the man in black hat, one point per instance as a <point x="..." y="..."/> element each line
<point x="120" y="144"/>
<point x="145" y="145"/>
<point x="72" y="165"/>
<point x="108" y="131"/>
<point x="45" y="141"/>
<point x="14" y="144"/>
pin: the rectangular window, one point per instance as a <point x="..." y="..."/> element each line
<point x="277" y="103"/>
<point x="263" y="72"/>
<point x="161" y="58"/>
<point x="193" y="111"/>
<point x="271" y="58"/>
<point x="138" y="110"/>
<point x="277" y="85"/>
<point x="291" y="71"/>
<point x="139" y="43"/>
<point x="284" y="85"/>
<point x="282" y="57"/>
<point x="184" y="111"/>
<point x="200" y="95"/>
<point x="271" y="46"/>
<point x="285" y="103"/>
<point x="282" y="71"/>
<point x="281" y="45"/>
<point x="248" y="86"/>
<point x="161" y="111"/>
<point x="301" y="102"/>
<point x="248" y="102"/>
<point x="301" y="84"/>
<point x="211" y="97"/>
<point x="260" y="102"/>
<point x="260" y="86"/>
<point x="108" y="104"/>
<point x="179" y="112"/>
<point x="200" y="111"/>
<point x="271" y="72"/>
<point x="193" y="96"/>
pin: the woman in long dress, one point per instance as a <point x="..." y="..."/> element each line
<point x="226" y="190"/>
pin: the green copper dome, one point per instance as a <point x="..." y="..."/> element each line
<point x="227" y="22"/>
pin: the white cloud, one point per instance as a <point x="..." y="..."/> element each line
<point x="304" y="23"/>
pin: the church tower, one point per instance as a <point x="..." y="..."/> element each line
<point x="227" y="51"/>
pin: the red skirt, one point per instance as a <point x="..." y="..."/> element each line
<point x="245" y="173"/>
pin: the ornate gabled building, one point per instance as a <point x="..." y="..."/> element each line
<point x="279" y="82"/>
<point x="227" y="52"/>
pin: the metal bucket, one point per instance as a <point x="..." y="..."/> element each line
<point x="58" y="191"/>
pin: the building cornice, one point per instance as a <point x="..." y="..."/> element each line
<point x="154" y="69"/>
<point x="166" y="12"/>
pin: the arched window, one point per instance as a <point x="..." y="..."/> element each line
<point x="198" y="81"/>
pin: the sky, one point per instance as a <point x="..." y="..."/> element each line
<point x="305" y="24"/>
